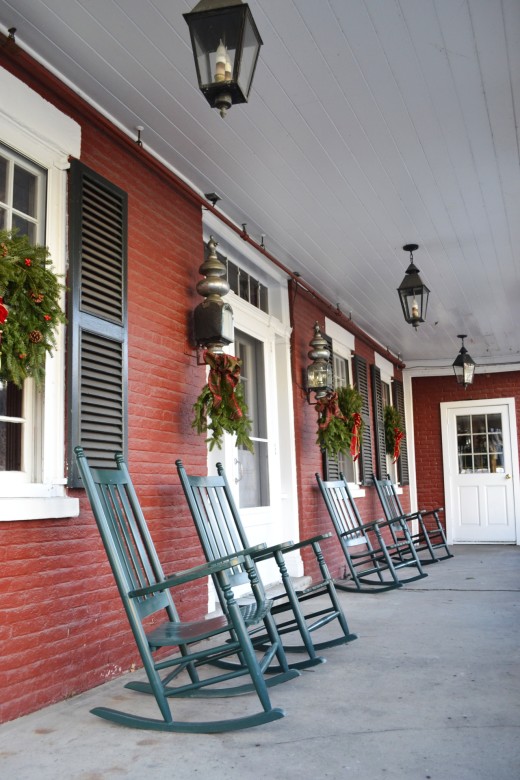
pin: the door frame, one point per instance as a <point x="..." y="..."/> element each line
<point x="445" y="408"/>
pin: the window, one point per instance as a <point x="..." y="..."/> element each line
<point x="253" y="472"/>
<point x="22" y="207"/>
<point x="33" y="187"/>
<point x="479" y="443"/>
<point x="385" y="392"/>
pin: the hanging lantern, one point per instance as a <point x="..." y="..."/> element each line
<point x="413" y="294"/>
<point x="226" y="44"/>
<point x="464" y="365"/>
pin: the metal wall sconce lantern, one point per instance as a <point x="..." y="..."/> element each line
<point x="213" y="318"/>
<point x="413" y="294"/>
<point x="464" y="365"/>
<point x="226" y="44"/>
<point x="319" y="372"/>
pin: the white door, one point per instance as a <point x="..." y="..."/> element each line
<point x="480" y="471"/>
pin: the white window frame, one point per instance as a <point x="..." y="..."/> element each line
<point x="343" y="343"/>
<point x="35" y="129"/>
<point x="387" y="376"/>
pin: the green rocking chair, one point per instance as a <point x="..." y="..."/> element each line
<point x="145" y="591"/>
<point x="429" y="539"/>
<point x="221" y="533"/>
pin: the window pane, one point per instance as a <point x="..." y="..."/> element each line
<point x="24" y="191"/>
<point x="10" y="432"/>
<point x="25" y="227"/>
<point x="3" y="179"/>
<point x="464" y="424"/>
<point x="3" y="223"/>
<point x="253" y="470"/>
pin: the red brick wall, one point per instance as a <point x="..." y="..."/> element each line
<point x="428" y="393"/>
<point x="306" y="310"/>
<point x="62" y="629"/>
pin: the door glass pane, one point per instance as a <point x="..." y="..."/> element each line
<point x="480" y="444"/>
<point x="253" y="469"/>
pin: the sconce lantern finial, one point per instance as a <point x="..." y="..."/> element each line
<point x="213" y="318"/>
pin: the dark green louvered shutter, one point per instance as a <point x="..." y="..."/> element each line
<point x="98" y="355"/>
<point x="330" y="462"/>
<point x="361" y="383"/>
<point x="402" y="463"/>
<point x="379" y="422"/>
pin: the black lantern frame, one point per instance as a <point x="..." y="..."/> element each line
<point x="319" y="372"/>
<point x="226" y="44"/>
<point x="464" y="365"/>
<point x="413" y="293"/>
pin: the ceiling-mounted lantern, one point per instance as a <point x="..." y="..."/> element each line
<point x="226" y="44"/>
<point x="464" y="365"/>
<point x="413" y="294"/>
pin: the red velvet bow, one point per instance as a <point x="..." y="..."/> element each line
<point x="224" y="374"/>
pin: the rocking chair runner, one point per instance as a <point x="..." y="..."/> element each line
<point x="373" y="564"/>
<point x="427" y="539"/>
<point x="145" y="591"/>
<point x="221" y="533"/>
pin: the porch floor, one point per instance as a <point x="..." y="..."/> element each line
<point x="430" y="689"/>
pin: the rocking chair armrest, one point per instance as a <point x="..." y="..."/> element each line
<point x="267" y="552"/>
<point x="187" y="575"/>
<point x="305" y="542"/>
<point x="426" y="512"/>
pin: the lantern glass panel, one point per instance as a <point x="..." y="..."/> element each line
<point x="208" y="31"/>
<point x="319" y="376"/>
<point x="251" y="49"/>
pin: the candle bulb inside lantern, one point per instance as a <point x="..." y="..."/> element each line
<point x="220" y="62"/>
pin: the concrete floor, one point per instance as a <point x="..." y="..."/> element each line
<point x="430" y="689"/>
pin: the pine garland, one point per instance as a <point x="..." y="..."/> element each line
<point x="339" y="422"/>
<point x="29" y="309"/>
<point x="220" y="407"/>
<point x="393" y="431"/>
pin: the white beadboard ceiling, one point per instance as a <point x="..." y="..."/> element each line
<point x="371" y="124"/>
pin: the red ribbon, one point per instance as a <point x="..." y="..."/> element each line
<point x="397" y="443"/>
<point x="4" y="311"/>
<point x="224" y="374"/>
<point x="328" y="408"/>
<point x="355" y="440"/>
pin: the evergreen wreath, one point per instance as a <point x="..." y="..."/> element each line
<point x="30" y="311"/>
<point x="394" y="431"/>
<point x="339" y="422"/>
<point x="220" y="407"/>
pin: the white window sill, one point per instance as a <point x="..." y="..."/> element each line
<point x="38" y="508"/>
<point x="356" y="491"/>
